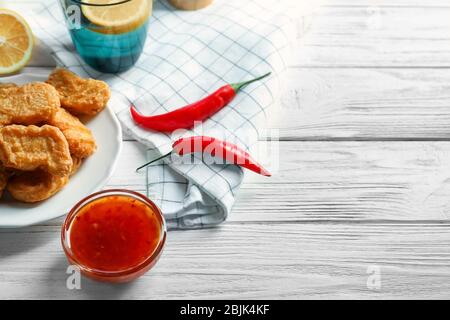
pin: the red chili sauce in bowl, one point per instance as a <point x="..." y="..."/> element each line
<point x="114" y="235"/>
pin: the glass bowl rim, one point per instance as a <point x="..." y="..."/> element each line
<point x="102" y="194"/>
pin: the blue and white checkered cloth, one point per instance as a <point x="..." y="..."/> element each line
<point x="187" y="56"/>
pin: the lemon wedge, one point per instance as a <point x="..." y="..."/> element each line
<point x="119" y="18"/>
<point x="16" y="42"/>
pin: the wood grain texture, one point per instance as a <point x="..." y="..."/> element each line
<point x="386" y="3"/>
<point x="364" y="104"/>
<point x="377" y="36"/>
<point x="277" y="261"/>
<point x="352" y="181"/>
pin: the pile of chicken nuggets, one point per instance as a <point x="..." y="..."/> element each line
<point x="42" y="140"/>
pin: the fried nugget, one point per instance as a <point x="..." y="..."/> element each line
<point x="29" y="104"/>
<point x="8" y="85"/>
<point x="39" y="185"/>
<point x="76" y="164"/>
<point x="81" y="141"/>
<point x="28" y="148"/>
<point x="80" y="96"/>
<point x="3" y="179"/>
<point x="35" y="186"/>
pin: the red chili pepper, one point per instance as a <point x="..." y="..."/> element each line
<point x="185" y="117"/>
<point x="215" y="147"/>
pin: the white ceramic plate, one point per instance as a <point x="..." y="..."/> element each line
<point x="92" y="176"/>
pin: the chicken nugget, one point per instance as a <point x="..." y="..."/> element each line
<point x="29" y="148"/>
<point x="80" y="138"/>
<point x="80" y="96"/>
<point x="39" y="185"/>
<point x="7" y="85"/>
<point x="29" y="104"/>
<point x="3" y="179"/>
<point x="76" y="165"/>
<point x="35" y="186"/>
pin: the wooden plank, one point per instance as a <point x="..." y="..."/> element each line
<point x="333" y="181"/>
<point x="351" y="181"/>
<point x="367" y="36"/>
<point x="364" y="104"/>
<point x="247" y="261"/>
<point x="387" y="3"/>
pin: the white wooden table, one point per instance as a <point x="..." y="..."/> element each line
<point x="363" y="188"/>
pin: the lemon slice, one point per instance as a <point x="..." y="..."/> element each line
<point x="16" y="42"/>
<point x="119" y="18"/>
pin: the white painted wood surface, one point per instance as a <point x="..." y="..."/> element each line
<point x="339" y="207"/>
<point x="378" y="34"/>
<point x="365" y="104"/>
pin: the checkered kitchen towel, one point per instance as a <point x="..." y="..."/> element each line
<point x="188" y="55"/>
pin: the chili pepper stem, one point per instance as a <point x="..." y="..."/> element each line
<point x="153" y="161"/>
<point x="238" y="86"/>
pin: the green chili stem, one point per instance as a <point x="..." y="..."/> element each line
<point x="153" y="161"/>
<point x="238" y="86"/>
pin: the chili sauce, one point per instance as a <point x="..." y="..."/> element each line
<point x="114" y="233"/>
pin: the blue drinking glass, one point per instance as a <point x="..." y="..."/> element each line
<point x="108" y="35"/>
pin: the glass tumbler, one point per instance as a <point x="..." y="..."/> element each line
<point x="108" y="35"/>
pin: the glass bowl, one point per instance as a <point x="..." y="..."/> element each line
<point x="124" y="275"/>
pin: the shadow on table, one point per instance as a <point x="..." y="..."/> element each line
<point x="90" y="289"/>
<point x="46" y="276"/>
<point x="20" y="241"/>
